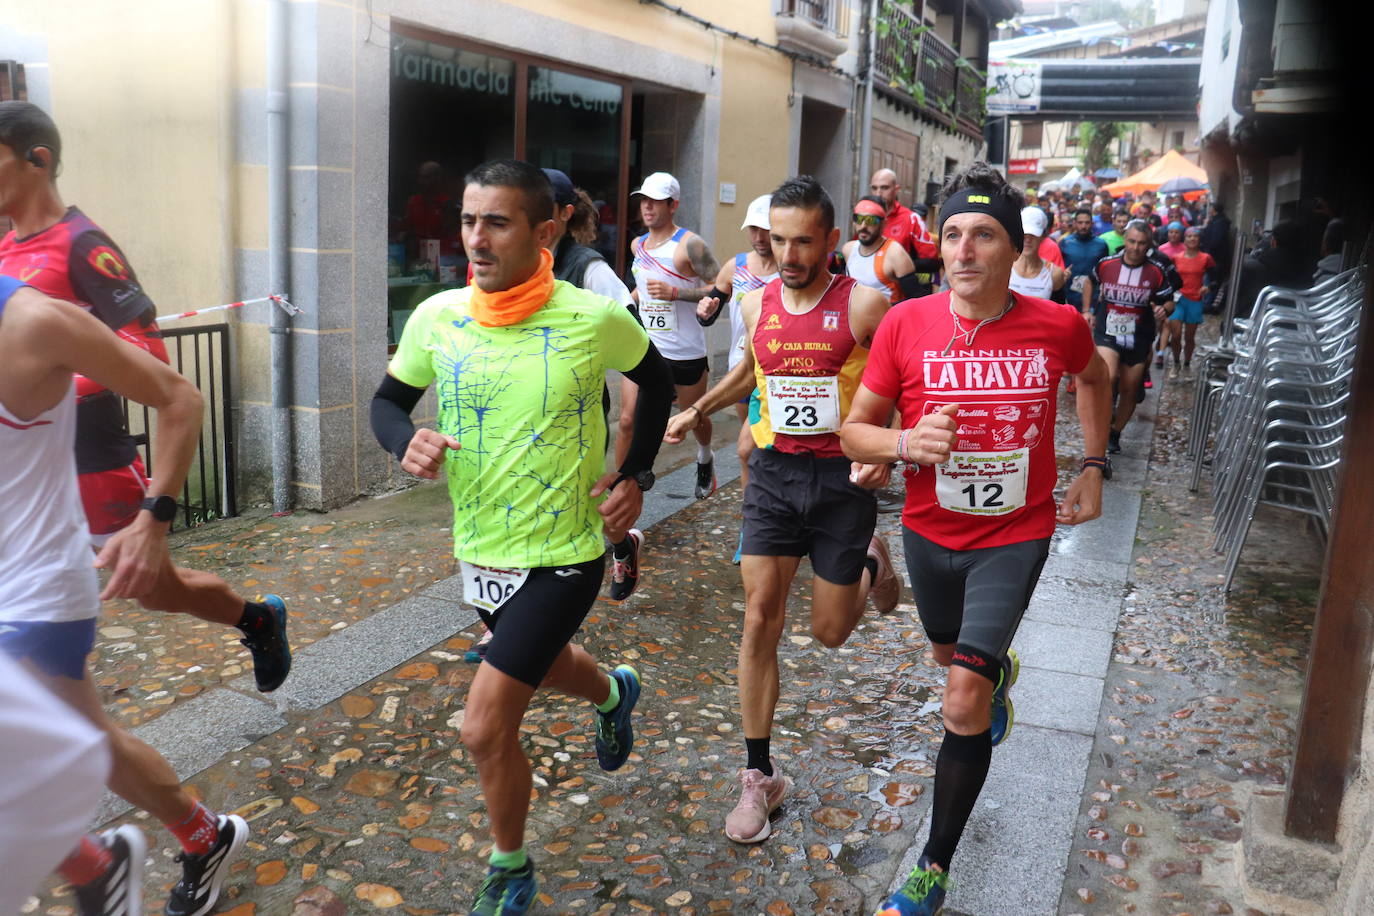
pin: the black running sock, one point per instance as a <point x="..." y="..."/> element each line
<point x="960" y="771"/>
<point x="757" y="749"/>
<point x="623" y="550"/>
<point x="256" y="618"/>
<point x="871" y="564"/>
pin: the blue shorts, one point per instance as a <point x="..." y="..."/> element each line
<point x="1188" y="311"/>
<point x="58" y="648"/>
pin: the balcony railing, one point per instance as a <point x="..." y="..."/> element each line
<point x="918" y="67"/>
<point x="831" y="15"/>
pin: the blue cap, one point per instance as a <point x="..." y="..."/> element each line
<point x="563" y="193"/>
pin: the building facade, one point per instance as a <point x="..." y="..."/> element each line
<point x="223" y="181"/>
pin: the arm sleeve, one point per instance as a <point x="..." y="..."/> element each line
<point x="909" y="286"/>
<point x="391" y="407"/>
<point x="655" y="381"/>
<point x="101" y="276"/>
<point x="721" y="299"/>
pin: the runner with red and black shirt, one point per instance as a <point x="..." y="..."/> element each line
<point x="58" y="251"/>
<point x="1128" y="293"/>
<point x="973" y="374"/>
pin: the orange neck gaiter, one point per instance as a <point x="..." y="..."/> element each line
<point x="514" y="305"/>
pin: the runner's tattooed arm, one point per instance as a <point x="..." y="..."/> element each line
<point x="703" y="264"/>
<point x="719" y="294"/>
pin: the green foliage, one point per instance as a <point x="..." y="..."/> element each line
<point x="1095" y="139"/>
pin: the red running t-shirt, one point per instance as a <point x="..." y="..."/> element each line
<point x="998" y="486"/>
<point x="1191" y="272"/>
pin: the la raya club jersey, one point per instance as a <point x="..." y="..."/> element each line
<point x="998" y="485"/>
<point x="75" y="261"/>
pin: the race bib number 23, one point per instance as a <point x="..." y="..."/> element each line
<point x="489" y="587"/>
<point x="803" y="406"/>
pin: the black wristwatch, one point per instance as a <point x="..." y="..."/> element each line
<point x="1103" y="464"/>
<point x="164" y="508"/>
<point x="643" y="479"/>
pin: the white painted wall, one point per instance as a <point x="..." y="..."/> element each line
<point x="1220" y="55"/>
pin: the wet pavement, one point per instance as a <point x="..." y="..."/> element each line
<point x="361" y="798"/>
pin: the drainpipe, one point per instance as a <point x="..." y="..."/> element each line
<point x="866" y="141"/>
<point x="278" y="252"/>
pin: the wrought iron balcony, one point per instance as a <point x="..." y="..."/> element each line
<point x="915" y="67"/>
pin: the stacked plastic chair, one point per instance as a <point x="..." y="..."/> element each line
<point x="1278" y="398"/>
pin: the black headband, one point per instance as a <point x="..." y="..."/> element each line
<point x="973" y="200"/>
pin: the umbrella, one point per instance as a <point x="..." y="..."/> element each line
<point x="1182" y="185"/>
<point x="1107" y="173"/>
<point x="1167" y="167"/>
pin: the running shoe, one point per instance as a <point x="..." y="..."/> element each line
<point x="1148" y="383"/>
<point x="706" y="479"/>
<point x="506" y="891"/>
<point x="1114" y="442"/>
<point x="118" y="892"/>
<point x="887" y="588"/>
<point x="760" y="796"/>
<point x="1159" y="359"/>
<point x="923" y="894"/>
<point x="271" y="651"/>
<point x="1003" y="714"/>
<point x="615" y="736"/>
<point x="1173" y="372"/>
<point x="201" y="876"/>
<point x="625" y="573"/>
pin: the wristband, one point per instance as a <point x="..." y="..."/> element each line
<point x="697" y="409"/>
<point x="1102" y="464"/>
<point x="901" y="446"/>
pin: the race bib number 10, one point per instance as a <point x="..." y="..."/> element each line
<point x="1120" y="323"/>
<point x="983" y="483"/>
<point x="489" y="587"/>
<point x="658" y="315"/>
<point x="800" y="406"/>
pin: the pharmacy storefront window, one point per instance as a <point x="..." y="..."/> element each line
<point x="454" y="105"/>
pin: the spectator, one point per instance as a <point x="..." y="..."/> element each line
<point x="1217" y="238"/>
<point x="1333" y="246"/>
<point x="1277" y="262"/>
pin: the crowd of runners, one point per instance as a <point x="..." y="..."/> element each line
<point x="844" y="362"/>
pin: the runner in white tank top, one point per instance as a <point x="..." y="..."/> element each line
<point x="1031" y="275"/>
<point x="48" y="599"/>
<point x="748" y="270"/>
<point x="673" y="270"/>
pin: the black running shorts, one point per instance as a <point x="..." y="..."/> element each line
<point x="973" y="597"/>
<point x="687" y="371"/>
<point x="1144" y="340"/>
<point x="536" y="622"/>
<point x="797" y="505"/>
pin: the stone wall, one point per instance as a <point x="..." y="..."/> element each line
<point x="1355" y="889"/>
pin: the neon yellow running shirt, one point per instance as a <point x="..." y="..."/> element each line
<point x="524" y="401"/>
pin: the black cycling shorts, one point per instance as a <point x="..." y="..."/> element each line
<point x="797" y="505"/>
<point x="535" y="623"/>
<point x="1144" y="340"/>
<point x="973" y="597"/>
<point x="688" y="371"/>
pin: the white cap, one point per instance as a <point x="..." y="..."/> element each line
<point x="757" y="214"/>
<point x="660" y="186"/>
<point x="1034" y="221"/>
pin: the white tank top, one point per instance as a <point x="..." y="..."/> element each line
<point x="672" y="326"/>
<point x="742" y="282"/>
<point x="1040" y="286"/>
<point x="864" y="268"/>
<point x="45" y="548"/>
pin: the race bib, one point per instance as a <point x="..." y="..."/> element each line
<point x="1076" y="284"/>
<point x="489" y="587"/>
<point x="1120" y="323"/>
<point x="658" y="315"/>
<point x="983" y="483"/>
<point x="801" y="406"/>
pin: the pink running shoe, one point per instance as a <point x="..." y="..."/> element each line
<point x="760" y="796"/>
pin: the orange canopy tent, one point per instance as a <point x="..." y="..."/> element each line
<point x="1170" y="165"/>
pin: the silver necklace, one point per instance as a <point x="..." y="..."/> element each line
<point x="972" y="332"/>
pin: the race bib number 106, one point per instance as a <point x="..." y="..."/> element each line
<point x="489" y="587"/>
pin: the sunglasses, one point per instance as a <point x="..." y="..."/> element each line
<point x="864" y="219"/>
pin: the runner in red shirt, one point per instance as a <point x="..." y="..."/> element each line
<point x="973" y="373"/>
<point x="904" y="226"/>
<point x="59" y="251"/>
<point x="1195" y="268"/>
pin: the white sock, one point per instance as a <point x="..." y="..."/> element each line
<point x="704" y="455"/>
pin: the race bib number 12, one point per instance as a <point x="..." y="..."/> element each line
<point x="489" y="587"/>
<point x="658" y="315"/>
<point x="983" y="483"/>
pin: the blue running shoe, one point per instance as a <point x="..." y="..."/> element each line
<point x="1003" y="713"/>
<point x="614" y="734"/>
<point x="506" y="891"/>
<point x="270" y="648"/>
<point x="923" y="894"/>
